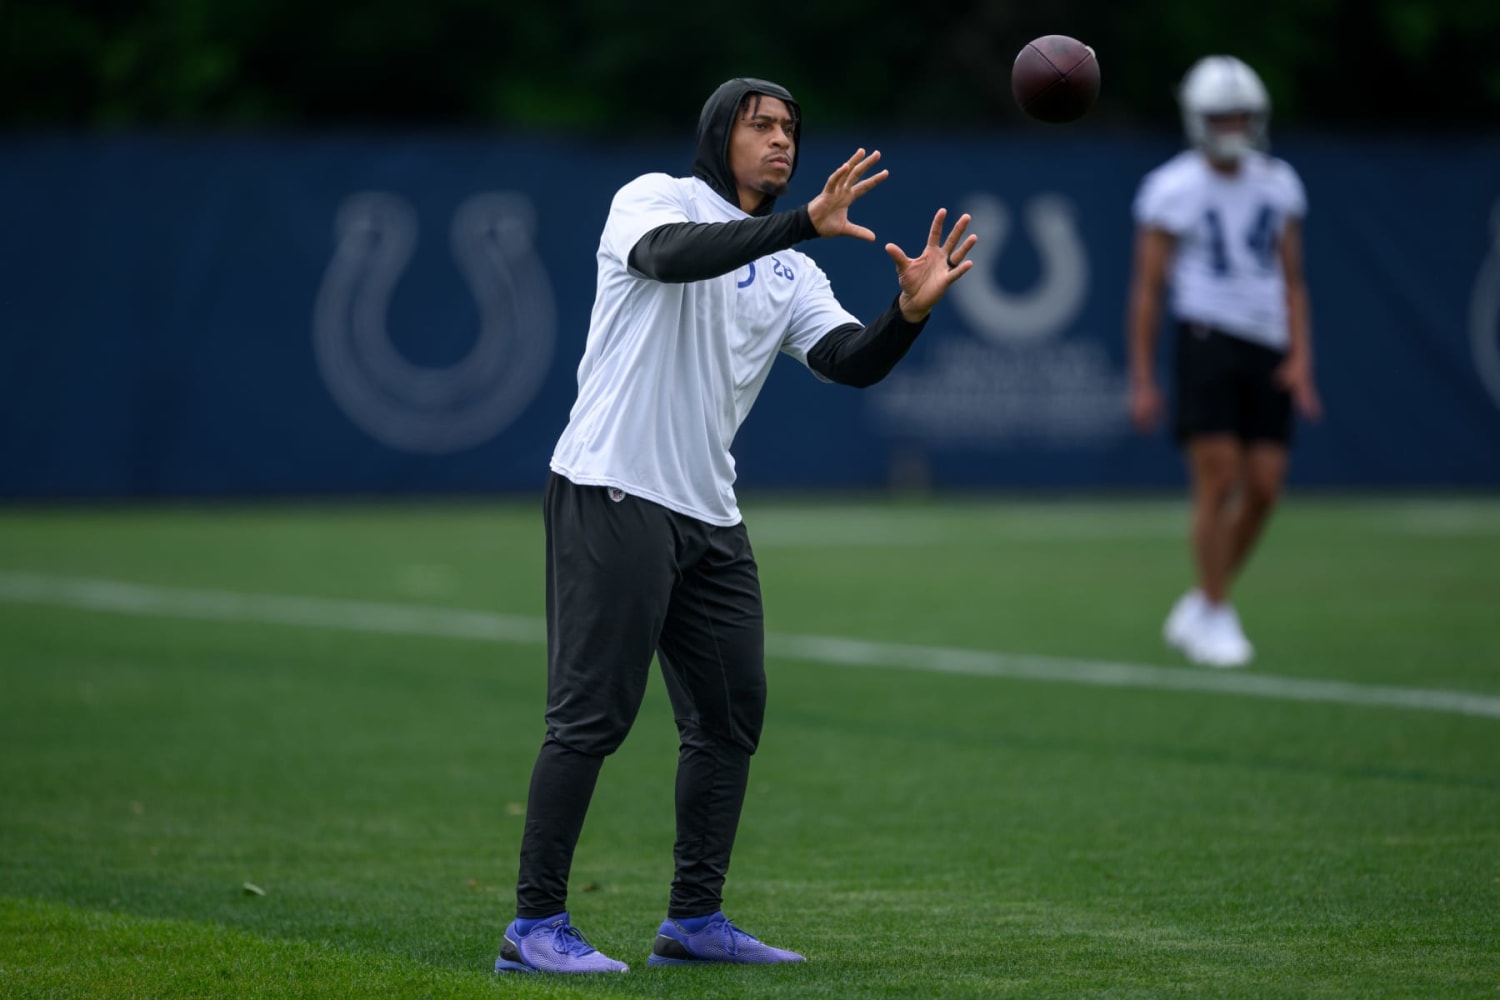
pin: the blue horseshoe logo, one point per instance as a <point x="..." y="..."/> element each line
<point x="1484" y="314"/>
<point x="423" y="409"/>
<point x="1004" y="317"/>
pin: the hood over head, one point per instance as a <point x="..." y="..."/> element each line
<point x="711" y="161"/>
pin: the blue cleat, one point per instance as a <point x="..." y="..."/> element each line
<point x="717" y="941"/>
<point x="552" y="945"/>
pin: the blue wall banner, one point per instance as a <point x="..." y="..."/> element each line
<point x="343" y="314"/>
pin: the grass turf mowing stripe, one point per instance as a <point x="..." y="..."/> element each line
<point x="56" y="950"/>
<point x="404" y="619"/>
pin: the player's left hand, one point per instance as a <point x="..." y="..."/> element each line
<point x="1295" y="376"/>
<point x="925" y="279"/>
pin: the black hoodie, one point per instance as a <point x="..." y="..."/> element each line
<point x="696" y="251"/>
<point x="720" y="111"/>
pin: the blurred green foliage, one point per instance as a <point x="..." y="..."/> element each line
<point x="616" y="68"/>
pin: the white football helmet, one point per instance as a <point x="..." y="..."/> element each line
<point x="1218" y="85"/>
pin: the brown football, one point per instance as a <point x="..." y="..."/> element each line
<point x="1055" y="79"/>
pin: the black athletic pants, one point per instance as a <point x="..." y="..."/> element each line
<point x="626" y="579"/>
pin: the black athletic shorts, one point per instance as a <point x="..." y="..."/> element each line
<point x="1226" y="385"/>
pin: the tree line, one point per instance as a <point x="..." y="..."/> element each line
<point x="614" y="68"/>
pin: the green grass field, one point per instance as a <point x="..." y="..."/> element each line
<point x="982" y="774"/>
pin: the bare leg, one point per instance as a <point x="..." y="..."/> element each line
<point x="1265" y="474"/>
<point x="1216" y="464"/>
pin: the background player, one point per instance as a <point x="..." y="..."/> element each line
<point x="1221" y="225"/>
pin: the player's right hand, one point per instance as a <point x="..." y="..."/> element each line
<point x="1145" y="405"/>
<point x="830" y="209"/>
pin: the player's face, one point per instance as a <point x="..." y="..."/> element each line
<point x="1228" y="121"/>
<point x="761" y="150"/>
<point x="1228" y="136"/>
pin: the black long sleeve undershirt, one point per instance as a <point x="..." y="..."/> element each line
<point x="679" y="252"/>
<point x="694" y="251"/>
<point x="863" y="355"/>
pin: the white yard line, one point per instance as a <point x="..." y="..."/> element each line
<point x="450" y="623"/>
<point x="848" y="525"/>
<point x="856" y="526"/>
<point x="235" y="606"/>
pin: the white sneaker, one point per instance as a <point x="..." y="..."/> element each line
<point x="1181" y="622"/>
<point x="1218" y="640"/>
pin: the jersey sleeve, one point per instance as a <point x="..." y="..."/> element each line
<point x="815" y="312"/>
<point x="1292" y="191"/>
<point x="1160" y="203"/>
<point x="645" y="203"/>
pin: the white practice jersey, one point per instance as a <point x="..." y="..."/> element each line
<point x="670" y="370"/>
<point x="1227" y="270"/>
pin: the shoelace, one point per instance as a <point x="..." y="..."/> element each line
<point x="569" y="940"/>
<point x="732" y="935"/>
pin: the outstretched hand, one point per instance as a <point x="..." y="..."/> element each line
<point x="830" y="209"/>
<point x="925" y="279"/>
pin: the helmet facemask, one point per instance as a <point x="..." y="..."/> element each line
<point x="1225" y="108"/>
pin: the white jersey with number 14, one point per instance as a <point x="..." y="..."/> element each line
<point x="1227" y="269"/>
